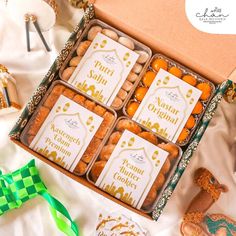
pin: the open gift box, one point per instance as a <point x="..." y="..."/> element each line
<point x="157" y="26"/>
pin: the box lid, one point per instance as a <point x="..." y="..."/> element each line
<point x="163" y="25"/>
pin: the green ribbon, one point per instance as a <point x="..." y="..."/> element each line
<point x="24" y="184"/>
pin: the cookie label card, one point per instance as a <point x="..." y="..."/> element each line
<point x="103" y="69"/>
<point x="167" y="105"/>
<point x="116" y="224"/>
<point x="131" y="169"/>
<point x="66" y="133"/>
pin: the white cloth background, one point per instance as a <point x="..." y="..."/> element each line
<point x="214" y="152"/>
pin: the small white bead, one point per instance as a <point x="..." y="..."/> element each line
<point x="143" y="56"/>
<point x="126" y="42"/>
<point x="111" y="34"/>
<point x="137" y="68"/>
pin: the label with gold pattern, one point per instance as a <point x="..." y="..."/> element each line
<point x="131" y="169"/>
<point x="103" y="69"/>
<point x="118" y="223"/>
<point x="167" y="105"/>
<point x="66" y="133"/>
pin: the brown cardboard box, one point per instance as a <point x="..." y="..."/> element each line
<point x="163" y="25"/>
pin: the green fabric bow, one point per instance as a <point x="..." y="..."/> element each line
<point x="24" y="184"/>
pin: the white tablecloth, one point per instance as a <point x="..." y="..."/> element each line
<point x="214" y="152"/>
